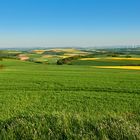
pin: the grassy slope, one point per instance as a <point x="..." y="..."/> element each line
<point x="39" y="101"/>
<point x="105" y="62"/>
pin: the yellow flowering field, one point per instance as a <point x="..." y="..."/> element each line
<point x="120" y="67"/>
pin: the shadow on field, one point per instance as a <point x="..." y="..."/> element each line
<point x="60" y="127"/>
<point x="1" y="67"/>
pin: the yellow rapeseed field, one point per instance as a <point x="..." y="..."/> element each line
<point x="38" y="51"/>
<point x="89" y="58"/>
<point x="47" y="56"/>
<point x="112" y="58"/>
<point x="119" y="67"/>
<point x="65" y="50"/>
<point x="63" y="56"/>
<point x="120" y="58"/>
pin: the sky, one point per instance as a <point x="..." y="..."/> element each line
<point x="69" y="23"/>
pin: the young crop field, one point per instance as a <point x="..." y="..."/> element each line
<point x="81" y="102"/>
<point x="108" y="61"/>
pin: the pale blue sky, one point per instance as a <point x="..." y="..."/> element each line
<point x="61" y="23"/>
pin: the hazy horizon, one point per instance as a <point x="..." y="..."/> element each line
<point x="71" y="23"/>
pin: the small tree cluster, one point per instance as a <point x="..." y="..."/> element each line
<point x="67" y="60"/>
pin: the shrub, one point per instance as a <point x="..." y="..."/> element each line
<point x="128" y="56"/>
<point x="67" y="60"/>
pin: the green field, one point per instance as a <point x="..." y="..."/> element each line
<point x="39" y="101"/>
<point x="105" y="62"/>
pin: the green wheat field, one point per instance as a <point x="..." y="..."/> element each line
<point x="76" y="102"/>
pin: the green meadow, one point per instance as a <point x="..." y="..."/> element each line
<point x="39" y="101"/>
<point x="107" y="62"/>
